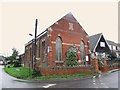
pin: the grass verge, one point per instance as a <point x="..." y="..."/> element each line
<point x="19" y="72"/>
<point x="26" y="74"/>
<point x="63" y="76"/>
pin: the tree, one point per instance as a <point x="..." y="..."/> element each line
<point x="12" y="58"/>
<point x="71" y="59"/>
<point x="14" y="54"/>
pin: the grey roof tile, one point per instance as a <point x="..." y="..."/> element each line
<point x="111" y="43"/>
<point x="93" y="40"/>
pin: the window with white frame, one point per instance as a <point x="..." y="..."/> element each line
<point x="114" y="47"/>
<point x="58" y="49"/>
<point x="118" y="48"/>
<point x="82" y="50"/>
<point x="102" y="44"/>
<point x="110" y="47"/>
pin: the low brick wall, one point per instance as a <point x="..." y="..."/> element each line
<point x="112" y="67"/>
<point x="113" y="64"/>
<point x="61" y="70"/>
<point x="66" y="70"/>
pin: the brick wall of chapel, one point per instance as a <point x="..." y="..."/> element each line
<point x="61" y="28"/>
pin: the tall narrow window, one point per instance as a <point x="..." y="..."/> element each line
<point x="43" y="51"/>
<point x="82" y="50"/>
<point x="30" y="54"/>
<point x="58" y="49"/>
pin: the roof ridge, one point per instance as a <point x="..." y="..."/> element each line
<point x="96" y="34"/>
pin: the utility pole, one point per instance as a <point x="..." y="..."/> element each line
<point x="34" y="56"/>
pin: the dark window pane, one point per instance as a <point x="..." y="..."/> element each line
<point x="58" y="49"/>
<point x="82" y="50"/>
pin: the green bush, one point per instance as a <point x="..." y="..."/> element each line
<point x="36" y="73"/>
<point x="17" y="64"/>
<point x="9" y="66"/>
<point x="112" y="55"/>
<point x="71" y="59"/>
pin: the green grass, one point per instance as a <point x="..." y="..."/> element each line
<point x="9" y="65"/>
<point x="24" y="73"/>
<point x="63" y="76"/>
<point x="18" y="72"/>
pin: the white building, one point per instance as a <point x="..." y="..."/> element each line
<point x="114" y="47"/>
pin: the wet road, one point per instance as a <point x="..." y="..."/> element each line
<point x="106" y="81"/>
<point x="10" y="82"/>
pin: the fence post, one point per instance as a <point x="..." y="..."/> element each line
<point x="104" y="65"/>
<point x="95" y="64"/>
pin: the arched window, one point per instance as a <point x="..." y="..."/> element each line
<point x="58" y="49"/>
<point x="82" y="50"/>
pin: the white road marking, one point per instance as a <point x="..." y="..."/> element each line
<point x="94" y="76"/>
<point x="49" y="85"/>
<point x="94" y="83"/>
<point x="99" y="75"/>
<point x="105" y="86"/>
<point x="101" y="82"/>
<point x="94" y="79"/>
<point x="24" y="83"/>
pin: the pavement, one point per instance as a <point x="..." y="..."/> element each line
<point x="104" y="80"/>
<point x="61" y="79"/>
<point x="8" y="82"/>
<point x="113" y="70"/>
<point x="52" y="80"/>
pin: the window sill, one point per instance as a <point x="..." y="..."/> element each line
<point x="59" y="61"/>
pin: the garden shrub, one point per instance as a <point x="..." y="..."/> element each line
<point x="17" y="64"/>
<point x="71" y="58"/>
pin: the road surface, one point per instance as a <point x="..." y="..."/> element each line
<point x="10" y="82"/>
<point x="106" y="81"/>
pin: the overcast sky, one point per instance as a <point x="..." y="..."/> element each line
<point x="17" y="20"/>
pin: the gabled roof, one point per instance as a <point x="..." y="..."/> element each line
<point x="68" y="16"/>
<point x="112" y="43"/>
<point x="94" y="40"/>
<point x="71" y="17"/>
